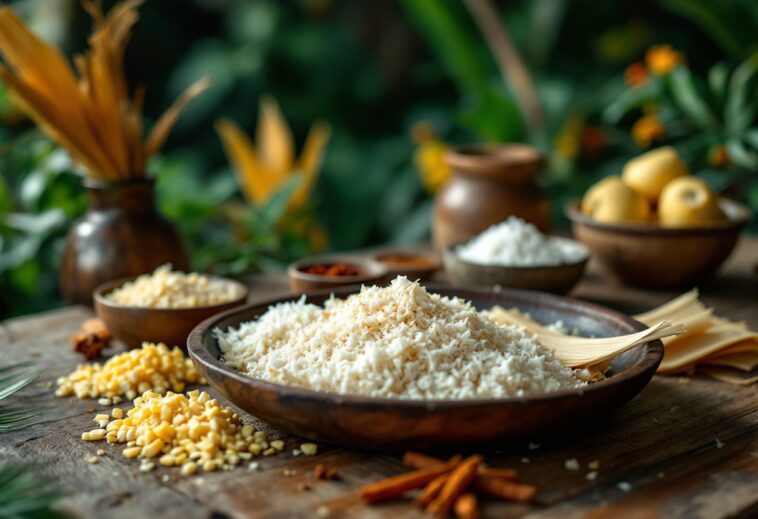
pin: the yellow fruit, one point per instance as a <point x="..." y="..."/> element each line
<point x="688" y="201"/>
<point x="650" y="172"/>
<point x="610" y="200"/>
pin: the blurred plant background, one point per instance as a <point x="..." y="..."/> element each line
<point x="397" y="82"/>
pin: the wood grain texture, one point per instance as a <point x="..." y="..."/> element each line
<point x="663" y="443"/>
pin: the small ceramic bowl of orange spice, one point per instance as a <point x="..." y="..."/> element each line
<point x="334" y="271"/>
<point x="413" y="264"/>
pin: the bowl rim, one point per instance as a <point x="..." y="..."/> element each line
<point x="98" y="296"/>
<point x="450" y="252"/>
<point x="376" y="270"/>
<point x="649" y="360"/>
<point x="742" y="217"/>
<point x="432" y="256"/>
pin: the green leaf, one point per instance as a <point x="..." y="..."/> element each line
<point x="14" y="378"/>
<point x="23" y="495"/>
<point x="740" y="108"/>
<point x="718" y="76"/>
<point x="632" y="99"/>
<point x="494" y="117"/>
<point x="741" y="155"/>
<point x="718" y="19"/>
<point x="689" y="98"/>
<point x="751" y="137"/>
<point x="461" y="53"/>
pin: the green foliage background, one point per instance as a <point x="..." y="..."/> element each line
<point x="371" y="69"/>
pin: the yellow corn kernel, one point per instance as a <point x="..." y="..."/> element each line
<point x="167" y="460"/>
<point x="309" y="449"/>
<point x="152" y="449"/>
<point x="132" y="452"/>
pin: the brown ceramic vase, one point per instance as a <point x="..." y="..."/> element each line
<point x="121" y="235"/>
<point x="489" y="184"/>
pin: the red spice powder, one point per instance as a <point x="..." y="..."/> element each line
<point x="332" y="269"/>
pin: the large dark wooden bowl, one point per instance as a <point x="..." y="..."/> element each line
<point x="651" y="256"/>
<point x="392" y="424"/>
<point x="134" y="325"/>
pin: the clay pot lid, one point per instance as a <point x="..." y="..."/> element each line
<point x="512" y="162"/>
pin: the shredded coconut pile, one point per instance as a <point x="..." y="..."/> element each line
<point x="516" y="243"/>
<point x="165" y="288"/>
<point x="398" y="342"/>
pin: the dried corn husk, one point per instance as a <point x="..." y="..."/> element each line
<point x="87" y="111"/>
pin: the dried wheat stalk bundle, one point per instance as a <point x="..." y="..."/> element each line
<point x="88" y="110"/>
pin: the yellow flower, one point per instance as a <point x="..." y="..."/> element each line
<point x="662" y="59"/>
<point x="567" y="142"/>
<point x="430" y="157"/>
<point x="647" y="130"/>
<point x="263" y="170"/>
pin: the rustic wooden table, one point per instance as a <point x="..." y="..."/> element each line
<point x="682" y="448"/>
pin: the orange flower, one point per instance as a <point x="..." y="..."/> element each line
<point x="635" y="74"/>
<point x="718" y="156"/>
<point x="662" y="59"/>
<point x="647" y="130"/>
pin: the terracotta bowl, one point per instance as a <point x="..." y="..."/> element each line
<point x="133" y="325"/>
<point x="428" y="265"/>
<point x="651" y="256"/>
<point x="393" y="425"/>
<point x="556" y="279"/>
<point x="372" y="273"/>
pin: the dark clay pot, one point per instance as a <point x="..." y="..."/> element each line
<point x="489" y="184"/>
<point x="121" y="235"/>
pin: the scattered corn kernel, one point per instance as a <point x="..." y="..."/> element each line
<point x="93" y="435"/>
<point x="192" y="431"/>
<point x="100" y="452"/>
<point x="93" y="459"/>
<point x="151" y="367"/>
<point x="309" y="449"/>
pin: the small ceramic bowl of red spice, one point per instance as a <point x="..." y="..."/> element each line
<point x="413" y="264"/>
<point x="334" y="271"/>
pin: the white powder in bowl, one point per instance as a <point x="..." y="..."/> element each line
<point x="398" y="342"/>
<point x="516" y="243"/>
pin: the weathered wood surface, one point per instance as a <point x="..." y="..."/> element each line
<point x="686" y="447"/>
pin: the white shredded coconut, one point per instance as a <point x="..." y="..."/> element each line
<point x="398" y="341"/>
<point x="166" y="288"/>
<point x="516" y="243"/>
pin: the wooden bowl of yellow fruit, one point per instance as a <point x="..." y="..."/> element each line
<point x="657" y="226"/>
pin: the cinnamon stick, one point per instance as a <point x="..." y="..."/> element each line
<point x="465" y="507"/>
<point x="459" y="480"/>
<point x="508" y="474"/>
<point x="416" y="460"/>
<point x="507" y="490"/>
<point x="397" y="486"/>
<point x="431" y="491"/>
